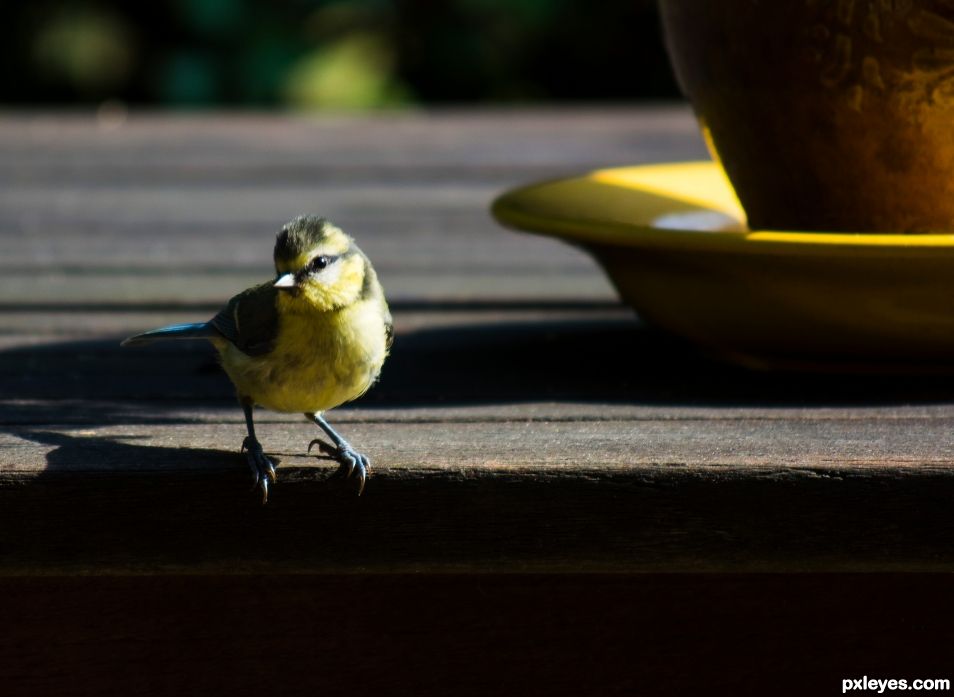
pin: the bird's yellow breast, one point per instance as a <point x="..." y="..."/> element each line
<point x="320" y="359"/>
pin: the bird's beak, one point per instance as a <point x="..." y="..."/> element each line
<point x="286" y="282"/>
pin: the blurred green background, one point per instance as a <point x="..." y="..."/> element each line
<point x="350" y="54"/>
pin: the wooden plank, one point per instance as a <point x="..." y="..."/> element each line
<point x="465" y="138"/>
<point x="181" y="193"/>
<point x="540" y="486"/>
<point x="19" y="412"/>
<point x="479" y="357"/>
<point x="468" y="445"/>
<point x="183" y="519"/>
<point x="52" y="288"/>
<point x="524" y="421"/>
<point x="33" y="323"/>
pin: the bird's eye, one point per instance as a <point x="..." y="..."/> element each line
<point x="318" y="263"/>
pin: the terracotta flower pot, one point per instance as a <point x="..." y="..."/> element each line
<point x="827" y="115"/>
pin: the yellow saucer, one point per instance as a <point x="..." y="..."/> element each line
<point x="673" y="240"/>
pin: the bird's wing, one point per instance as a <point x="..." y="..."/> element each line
<point x="250" y="320"/>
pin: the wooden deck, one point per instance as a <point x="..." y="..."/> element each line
<point x="526" y="422"/>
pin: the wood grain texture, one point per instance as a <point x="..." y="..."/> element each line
<point x="525" y="421"/>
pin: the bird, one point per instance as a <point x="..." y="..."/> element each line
<point x="312" y="338"/>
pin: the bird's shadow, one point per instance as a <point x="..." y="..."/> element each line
<point x="150" y="505"/>
<point x="73" y="453"/>
<point x="225" y="470"/>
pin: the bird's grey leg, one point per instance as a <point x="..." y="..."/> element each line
<point x="351" y="462"/>
<point x="263" y="469"/>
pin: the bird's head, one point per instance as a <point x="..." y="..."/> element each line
<point x="317" y="265"/>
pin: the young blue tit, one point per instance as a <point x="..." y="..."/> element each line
<point x="312" y="339"/>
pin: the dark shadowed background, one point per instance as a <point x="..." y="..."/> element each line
<point x="330" y="53"/>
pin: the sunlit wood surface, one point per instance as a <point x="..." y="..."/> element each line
<point x="524" y="421"/>
<point x="546" y="466"/>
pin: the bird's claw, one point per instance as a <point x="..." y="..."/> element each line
<point x="351" y="463"/>
<point x="263" y="468"/>
<point x="324" y="446"/>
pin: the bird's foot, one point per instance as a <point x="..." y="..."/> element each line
<point x="351" y="463"/>
<point x="263" y="468"/>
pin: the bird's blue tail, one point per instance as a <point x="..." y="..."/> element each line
<point x="198" y="330"/>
